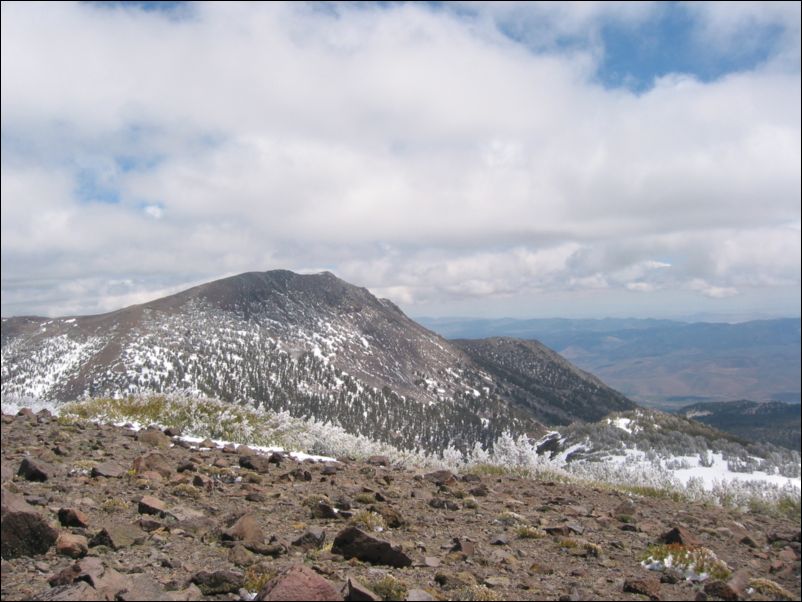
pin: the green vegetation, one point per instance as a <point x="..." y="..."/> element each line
<point x="688" y="559"/>
<point x="372" y="521"/>
<point x="389" y="588"/>
<point x="528" y="532"/>
<point x="771" y="589"/>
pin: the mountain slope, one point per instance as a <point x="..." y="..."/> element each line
<point x="773" y="422"/>
<point x="313" y="345"/>
<point x="534" y="377"/>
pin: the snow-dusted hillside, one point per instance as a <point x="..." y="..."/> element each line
<point x="312" y="345"/>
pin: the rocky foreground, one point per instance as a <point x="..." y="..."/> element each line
<point x="98" y="512"/>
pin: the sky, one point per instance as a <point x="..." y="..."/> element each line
<point x="583" y="159"/>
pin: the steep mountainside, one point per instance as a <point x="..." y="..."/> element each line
<point x="310" y="344"/>
<point x="772" y="422"/>
<point x="562" y="392"/>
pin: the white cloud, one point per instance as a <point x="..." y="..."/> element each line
<point x="411" y="150"/>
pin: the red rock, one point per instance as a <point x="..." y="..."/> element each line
<point x="35" y="470"/>
<point x="246" y="528"/>
<point x="25" y="532"/>
<point x="352" y="542"/>
<point x="680" y="535"/>
<point x="153" y="461"/>
<point x="151" y="505"/>
<point x="354" y="591"/>
<point x="72" y="517"/>
<point x="108" y="469"/>
<point x="299" y="583"/>
<point x="647" y="586"/>
<point x="74" y="546"/>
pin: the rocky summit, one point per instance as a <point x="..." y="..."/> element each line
<point x="99" y="512"/>
<point x="312" y="345"/>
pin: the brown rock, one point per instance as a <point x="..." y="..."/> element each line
<point x="154" y="438"/>
<point x="151" y="505"/>
<point x="72" y="517"/>
<point x="680" y="535"/>
<point x="463" y="545"/>
<point x="255" y="462"/>
<point x="108" y="469"/>
<point x="218" y="582"/>
<point x="35" y="470"/>
<point x="313" y="537"/>
<point x="153" y="461"/>
<point x="77" y="591"/>
<point x="356" y="592"/>
<point x="245" y="528"/>
<point x="118" y="536"/>
<point x="299" y="583"/>
<point x="25" y="532"/>
<point x="441" y="477"/>
<point x="647" y="586"/>
<point x="379" y="461"/>
<point x="419" y="595"/>
<point x="352" y="542"/>
<point x="74" y="546"/>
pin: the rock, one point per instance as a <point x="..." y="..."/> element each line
<point x="449" y="580"/>
<point x="153" y="461"/>
<point x="218" y="582"/>
<point x="270" y="549"/>
<point x="108" y="469"/>
<point x="355" y="591"/>
<point x="118" y="536"/>
<point x="74" y="546"/>
<point x="463" y="545"/>
<point x="154" y="438"/>
<point x="183" y="514"/>
<point x="240" y="556"/>
<point x="392" y="518"/>
<point x="431" y="561"/>
<point x="733" y="589"/>
<point x="25" y="532"/>
<point x="565" y="530"/>
<point x="647" y="586"/>
<point x="149" y="524"/>
<point x="245" y="528"/>
<point x="172" y="431"/>
<point x="313" y="537"/>
<point x="680" y="535"/>
<point x="437" y="502"/>
<point x="151" y="505"/>
<point x="743" y="535"/>
<point x="329" y="469"/>
<point x="72" y="517"/>
<point x="276" y="458"/>
<point x="142" y="587"/>
<point x="35" y="470"/>
<point x="255" y="462"/>
<point x="379" y="461"/>
<point x="441" y="477"/>
<point x="256" y="496"/>
<point x="419" y="595"/>
<point x="77" y="591"/>
<point x="186" y="467"/>
<point x="324" y="510"/>
<point x="352" y="542"/>
<point x="500" y="539"/>
<point x="299" y="583"/>
<point x="480" y="490"/>
<point x="6" y="472"/>
<point x="497" y="581"/>
<point x="208" y="443"/>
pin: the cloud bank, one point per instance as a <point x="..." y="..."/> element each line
<point x="471" y="156"/>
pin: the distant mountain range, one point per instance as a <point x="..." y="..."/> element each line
<point x="663" y="363"/>
<point x="773" y="422"/>
<point x="312" y="345"/>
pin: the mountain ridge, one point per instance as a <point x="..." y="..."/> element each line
<point x="312" y="344"/>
